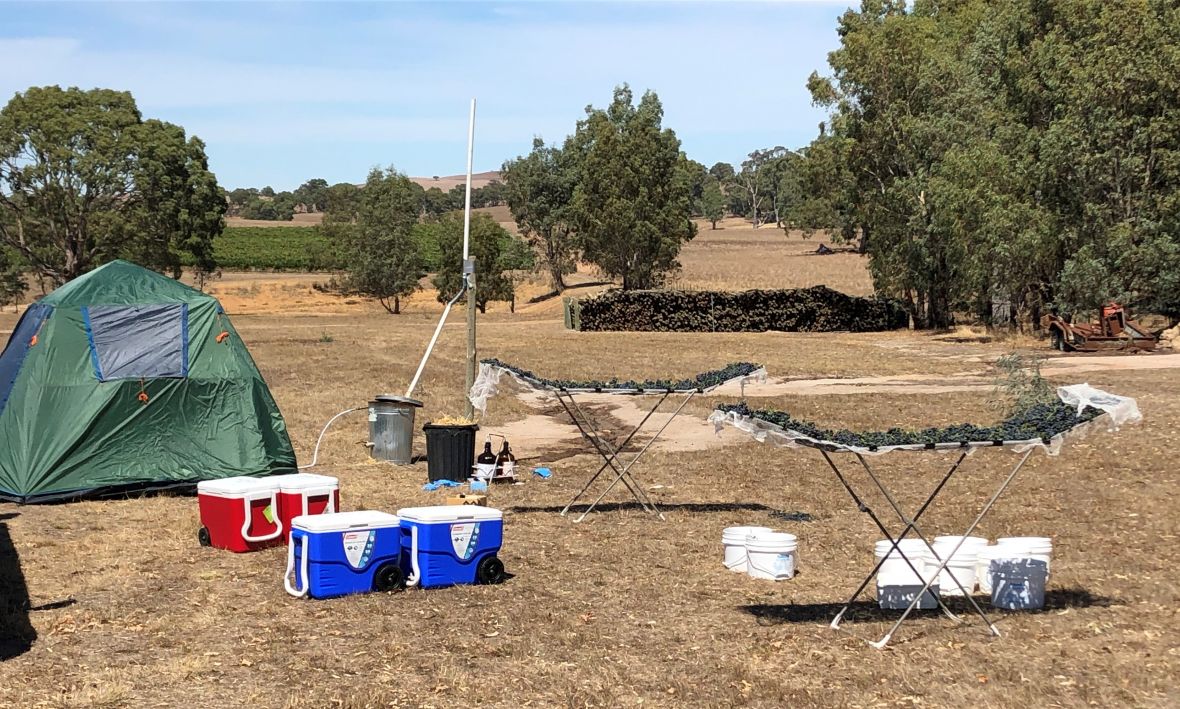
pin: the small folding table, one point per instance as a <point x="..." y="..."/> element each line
<point x="1116" y="411"/>
<point x="487" y="384"/>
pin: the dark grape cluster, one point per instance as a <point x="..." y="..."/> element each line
<point x="699" y="382"/>
<point x="1041" y="421"/>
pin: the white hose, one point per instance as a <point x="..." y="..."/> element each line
<point x="316" y="453"/>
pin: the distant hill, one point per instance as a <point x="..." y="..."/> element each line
<point x="478" y="179"/>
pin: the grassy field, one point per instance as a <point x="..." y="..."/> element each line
<point x="622" y="609"/>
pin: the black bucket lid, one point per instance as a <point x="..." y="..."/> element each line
<point x="394" y="399"/>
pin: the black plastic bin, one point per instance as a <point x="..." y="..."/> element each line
<point x="450" y="451"/>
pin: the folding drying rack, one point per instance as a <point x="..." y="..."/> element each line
<point x="487" y="385"/>
<point x="1117" y="410"/>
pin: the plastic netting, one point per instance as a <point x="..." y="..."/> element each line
<point x="493" y="378"/>
<point x="1117" y="410"/>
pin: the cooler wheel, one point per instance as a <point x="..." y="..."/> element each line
<point x="389" y="577"/>
<point x="203" y="537"/>
<point x="490" y="570"/>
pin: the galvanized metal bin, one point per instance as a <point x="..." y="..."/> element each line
<point x="391" y="428"/>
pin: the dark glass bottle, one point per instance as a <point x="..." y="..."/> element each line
<point x="485" y="464"/>
<point x="505" y="465"/>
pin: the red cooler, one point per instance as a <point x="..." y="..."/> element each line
<point x="239" y="514"/>
<point x="306" y="494"/>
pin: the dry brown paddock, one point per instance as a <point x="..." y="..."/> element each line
<point x="622" y="609"/>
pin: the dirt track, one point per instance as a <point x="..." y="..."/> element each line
<point x="550" y="430"/>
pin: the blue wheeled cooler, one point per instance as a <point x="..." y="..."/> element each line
<point x="347" y="552"/>
<point x="447" y="545"/>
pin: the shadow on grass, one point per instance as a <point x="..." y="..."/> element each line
<point x="16" y="632"/>
<point x="672" y="507"/>
<point x="867" y="611"/>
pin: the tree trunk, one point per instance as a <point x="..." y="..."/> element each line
<point x="394" y="309"/>
<point x="558" y="279"/>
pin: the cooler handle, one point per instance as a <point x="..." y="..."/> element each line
<point x="330" y="492"/>
<point x="292" y="589"/>
<point x="274" y="506"/>
<point x="416" y="576"/>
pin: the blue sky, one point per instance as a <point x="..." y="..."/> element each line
<point x="284" y="92"/>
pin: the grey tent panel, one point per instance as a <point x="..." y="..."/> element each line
<point x="138" y="341"/>
<point x="18" y="346"/>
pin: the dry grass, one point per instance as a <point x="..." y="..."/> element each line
<point x="622" y="609"/>
<point x="736" y="256"/>
<point x="301" y="219"/>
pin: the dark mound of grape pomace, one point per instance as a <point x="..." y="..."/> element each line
<point x="1041" y="421"/>
<point x="699" y="382"/>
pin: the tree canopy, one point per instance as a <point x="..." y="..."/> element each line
<point x="632" y="203"/>
<point x="84" y="179"/>
<point x="539" y="192"/>
<point x="373" y="228"/>
<point x="1025" y="153"/>
<point x="712" y="202"/>
<point x="490" y="245"/>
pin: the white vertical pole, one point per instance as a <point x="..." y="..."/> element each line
<point x="467" y="203"/>
<point x="469" y="268"/>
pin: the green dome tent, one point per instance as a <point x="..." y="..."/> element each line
<point x="125" y="379"/>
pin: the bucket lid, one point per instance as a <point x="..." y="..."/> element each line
<point x="340" y="521"/>
<point x="305" y="481"/>
<point x="395" y="399"/>
<point x="740" y="533"/>
<point x="774" y="540"/>
<point x="239" y="485"/>
<point x="449" y="513"/>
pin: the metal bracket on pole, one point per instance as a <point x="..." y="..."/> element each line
<point x="468" y="266"/>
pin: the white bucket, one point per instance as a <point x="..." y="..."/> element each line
<point x="1039" y="548"/>
<point x="771" y="555"/>
<point x="915" y="550"/>
<point x="734" y="540"/>
<point x="961" y="564"/>
<point x="897" y="584"/>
